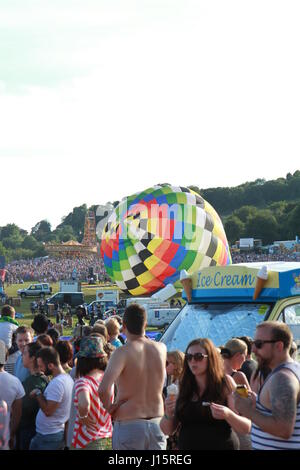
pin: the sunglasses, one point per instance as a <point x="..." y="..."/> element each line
<point x="197" y="356"/>
<point x="258" y="343"/>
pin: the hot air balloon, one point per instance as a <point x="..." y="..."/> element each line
<point x="154" y="234"/>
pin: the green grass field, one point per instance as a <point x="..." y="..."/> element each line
<point x="11" y="291"/>
<point x="89" y="296"/>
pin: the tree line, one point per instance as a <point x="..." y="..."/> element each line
<point x="16" y="243"/>
<point x="269" y="210"/>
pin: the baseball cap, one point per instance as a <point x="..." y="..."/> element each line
<point x="2" y="352"/>
<point x="91" y="346"/>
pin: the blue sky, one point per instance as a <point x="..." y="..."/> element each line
<point x="100" y="99"/>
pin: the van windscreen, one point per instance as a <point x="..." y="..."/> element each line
<point x="216" y="321"/>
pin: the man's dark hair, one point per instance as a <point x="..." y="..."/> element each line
<point x="7" y="311"/>
<point x="22" y="330"/>
<point x="135" y="319"/>
<point x="40" y="323"/>
<point x="279" y="332"/>
<point x="49" y="355"/>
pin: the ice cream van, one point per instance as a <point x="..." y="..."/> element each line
<point x="229" y="301"/>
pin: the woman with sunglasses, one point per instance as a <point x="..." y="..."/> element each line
<point x="204" y="410"/>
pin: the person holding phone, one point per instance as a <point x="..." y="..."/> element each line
<point x="275" y="411"/>
<point x="204" y="412"/>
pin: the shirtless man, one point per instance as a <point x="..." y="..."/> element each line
<point x="138" y="370"/>
<point x="275" y="412"/>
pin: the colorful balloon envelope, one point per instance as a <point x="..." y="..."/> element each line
<point x="152" y="235"/>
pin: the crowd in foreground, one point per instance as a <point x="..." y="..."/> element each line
<point x="98" y="393"/>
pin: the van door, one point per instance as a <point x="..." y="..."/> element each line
<point x="76" y="299"/>
<point x="31" y="290"/>
<point x="56" y="299"/>
<point x="68" y="299"/>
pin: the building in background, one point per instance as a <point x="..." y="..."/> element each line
<point x="74" y="249"/>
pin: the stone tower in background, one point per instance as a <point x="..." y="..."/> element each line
<point x="89" y="234"/>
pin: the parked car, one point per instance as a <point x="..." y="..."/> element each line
<point x="35" y="290"/>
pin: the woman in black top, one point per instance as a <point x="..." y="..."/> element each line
<point x="204" y="409"/>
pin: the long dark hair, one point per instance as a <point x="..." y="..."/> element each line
<point x="65" y="351"/>
<point x="216" y="383"/>
<point x="87" y="364"/>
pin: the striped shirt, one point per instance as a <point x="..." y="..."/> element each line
<point x="102" y="428"/>
<point x="262" y="440"/>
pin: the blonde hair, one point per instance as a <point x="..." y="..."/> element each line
<point x="113" y="327"/>
<point x="234" y="346"/>
<point x="177" y="358"/>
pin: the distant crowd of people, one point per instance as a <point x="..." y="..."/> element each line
<point x="256" y="257"/>
<point x="100" y="392"/>
<point x="53" y="269"/>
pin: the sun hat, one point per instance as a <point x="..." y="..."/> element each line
<point x="2" y="352"/>
<point x="91" y="346"/>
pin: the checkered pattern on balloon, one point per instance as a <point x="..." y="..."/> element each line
<point x="152" y="235"/>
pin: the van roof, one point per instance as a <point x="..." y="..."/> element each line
<point x="278" y="266"/>
<point x="237" y="282"/>
<point x="62" y="292"/>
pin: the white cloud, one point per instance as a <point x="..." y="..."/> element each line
<point x="206" y="95"/>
